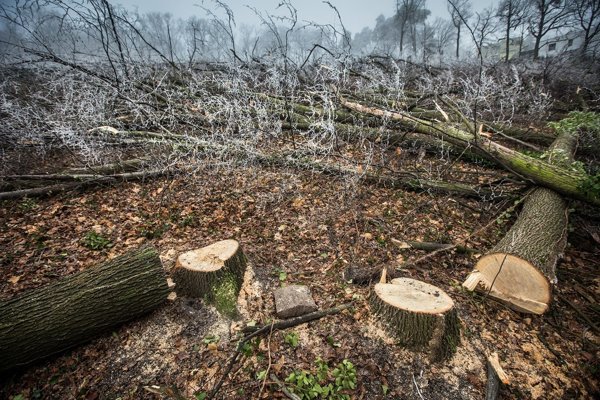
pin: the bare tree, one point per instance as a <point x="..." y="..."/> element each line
<point x="587" y="16"/>
<point x="410" y="13"/>
<point x="512" y="14"/>
<point x="546" y="16"/>
<point x="444" y="34"/>
<point x="460" y="12"/>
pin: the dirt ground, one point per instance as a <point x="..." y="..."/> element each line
<point x="296" y="228"/>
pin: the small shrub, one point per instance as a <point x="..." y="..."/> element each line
<point x="333" y="385"/>
<point x="291" y="339"/>
<point x="94" y="241"/>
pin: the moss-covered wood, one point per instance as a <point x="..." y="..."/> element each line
<point x="71" y="311"/>
<point x="419" y="315"/>
<point x="199" y="273"/>
<point x="521" y="268"/>
<point x="566" y="181"/>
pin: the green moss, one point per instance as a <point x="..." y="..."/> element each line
<point x="224" y="295"/>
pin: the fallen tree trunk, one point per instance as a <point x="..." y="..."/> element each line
<point x="74" y="182"/>
<point x="566" y="181"/>
<point x="520" y="269"/>
<point x="74" y="310"/>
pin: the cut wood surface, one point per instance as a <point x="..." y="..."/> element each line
<point x="46" y="321"/>
<point x="419" y="315"/>
<point x="520" y="269"/>
<point x="197" y="271"/>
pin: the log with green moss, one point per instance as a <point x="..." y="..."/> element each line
<point x="73" y="310"/>
<point x="419" y="315"/>
<point x="567" y="181"/>
<point x="521" y="269"/>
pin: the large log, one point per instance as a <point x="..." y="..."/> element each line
<point x="520" y="269"/>
<point x="78" y="308"/>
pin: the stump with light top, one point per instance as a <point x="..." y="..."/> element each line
<point x="419" y="315"/>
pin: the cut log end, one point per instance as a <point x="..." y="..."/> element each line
<point x="512" y="280"/>
<point x="419" y="315"/>
<point x="209" y="258"/>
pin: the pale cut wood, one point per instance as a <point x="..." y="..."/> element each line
<point x="197" y="271"/>
<point x="419" y="315"/>
<point x="496" y="377"/>
<point x="520" y="270"/>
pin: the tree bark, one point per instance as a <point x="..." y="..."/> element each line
<point x="198" y="271"/>
<point x="74" y="310"/>
<point x="562" y="180"/>
<point x="419" y="315"/>
<point x="520" y="269"/>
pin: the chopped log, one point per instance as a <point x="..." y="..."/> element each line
<point x="74" y="310"/>
<point x="419" y="315"/>
<point x="78" y="182"/>
<point x="198" y="271"/>
<point x="497" y="378"/>
<point x="520" y="269"/>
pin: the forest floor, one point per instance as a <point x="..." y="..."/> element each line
<point x="296" y="228"/>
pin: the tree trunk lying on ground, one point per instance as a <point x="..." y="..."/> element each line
<point x="419" y="315"/>
<point x="408" y="181"/>
<point x="71" y="311"/>
<point x="565" y="181"/>
<point x="213" y="271"/>
<point x="73" y="182"/>
<point x="520" y="269"/>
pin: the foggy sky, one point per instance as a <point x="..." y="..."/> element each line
<point x="356" y="14"/>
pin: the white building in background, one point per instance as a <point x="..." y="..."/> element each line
<point x="551" y="47"/>
<point x="497" y="50"/>
<point x="564" y="44"/>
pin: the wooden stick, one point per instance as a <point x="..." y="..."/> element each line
<point x="497" y="378"/>
<point x="269" y="328"/>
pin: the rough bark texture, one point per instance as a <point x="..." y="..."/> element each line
<point x="77" y="308"/>
<point x="520" y="269"/>
<point x="418" y="315"/>
<point x="547" y="174"/>
<point x="197" y="272"/>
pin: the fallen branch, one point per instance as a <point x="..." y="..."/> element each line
<point x="565" y="181"/>
<point x="268" y="328"/>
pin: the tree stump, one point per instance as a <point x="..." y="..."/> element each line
<point x="73" y="310"/>
<point x="419" y="315"/>
<point x="214" y="272"/>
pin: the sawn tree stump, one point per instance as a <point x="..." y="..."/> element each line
<point x="419" y="315"/>
<point x="214" y="272"/>
<point x="46" y="321"/>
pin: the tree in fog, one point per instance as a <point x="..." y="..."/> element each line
<point x="587" y="15"/>
<point x="512" y="14"/>
<point x="460" y="12"/>
<point x="409" y="14"/>
<point x="546" y="16"/>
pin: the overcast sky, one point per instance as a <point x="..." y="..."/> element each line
<point x="356" y="14"/>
